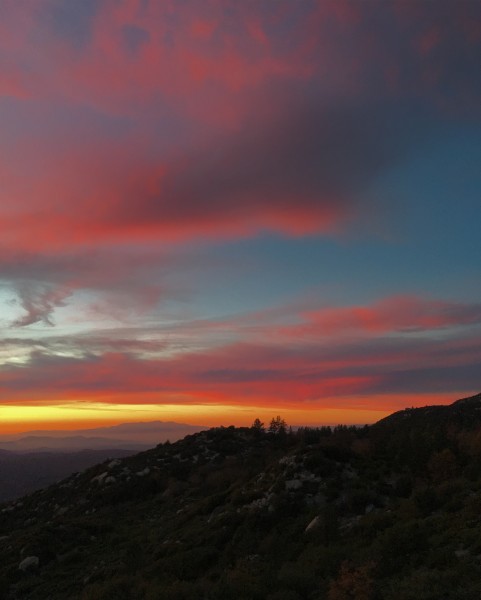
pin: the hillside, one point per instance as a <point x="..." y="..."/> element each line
<point x="34" y="459"/>
<point x="243" y="514"/>
<point x="24" y="473"/>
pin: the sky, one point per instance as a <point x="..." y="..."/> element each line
<point x="216" y="211"/>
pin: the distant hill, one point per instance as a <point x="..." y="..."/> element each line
<point x="35" y="459"/>
<point x="132" y="436"/>
<point x="39" y="443"/>
<point x="386" y="512"/>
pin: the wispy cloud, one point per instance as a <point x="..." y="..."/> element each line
<point x="384" y="357"/>
<point x="39" y="304"/>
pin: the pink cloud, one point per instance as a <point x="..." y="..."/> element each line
<point x="393" y="314"/>
<point x="250" y="373"/>
<point x="207" y="60"/>
<point x="249" y="161"/>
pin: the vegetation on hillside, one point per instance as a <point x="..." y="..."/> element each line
<point x="387" y="512"/>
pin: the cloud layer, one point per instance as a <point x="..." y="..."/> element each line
<point x="145" y="145"/>
<point x="398" y="345"/>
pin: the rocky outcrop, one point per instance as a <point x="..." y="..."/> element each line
<point x="29" y="563"/>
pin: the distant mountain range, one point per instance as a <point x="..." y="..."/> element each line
<point x="127" y="436"/>
<point x="35" y="459"/>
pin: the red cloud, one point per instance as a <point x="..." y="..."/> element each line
<point x="131" y="55"/>
<point x="215" y="119"/>
<point x="265" y="373"/>
<point x="214" y="378"/>
<point x="397" y="313"/>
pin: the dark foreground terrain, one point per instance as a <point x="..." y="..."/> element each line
<point x="22" y="474"/>
<point x="388" y="512"/>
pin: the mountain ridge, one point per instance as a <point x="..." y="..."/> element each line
<point x="382" y="512"/>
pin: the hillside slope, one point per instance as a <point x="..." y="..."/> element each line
<point x="239" y="513"/>
<point x="22" y="474"/>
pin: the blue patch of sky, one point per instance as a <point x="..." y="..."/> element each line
<point x="433" y="250"/>
<point x="440" y="194"/>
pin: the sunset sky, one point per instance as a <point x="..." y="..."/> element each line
<point x="213" y="211"/>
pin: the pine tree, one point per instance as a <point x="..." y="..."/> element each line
<point x="258" y="425"/>
<point x="278" y="426"/>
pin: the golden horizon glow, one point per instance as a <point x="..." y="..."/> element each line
<point x="21" y="418"/>
<point x="83" y="415"/>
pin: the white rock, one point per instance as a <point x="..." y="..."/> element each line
<point x="312" y="524"/>
<point x="293" y="484"/>
<point x="144" y="472"/>
<point x="259" y="503"/>
<point x="115" y="463"/>
<point x="100" y="477"/>
<point x="31" y="562"/>
<point x="110" y="479"/>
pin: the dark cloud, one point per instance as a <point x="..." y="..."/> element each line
<point x="134" y="38"/>
<point x="129" y="341"/>
<point x="39" y="303"/>
<point x="71" y="21"/>
<point x="442" y="378"/>
<point x="311" y="162"/>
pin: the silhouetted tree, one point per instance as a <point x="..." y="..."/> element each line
<point x="278" y="425"/>
<point x="258" y="425"/>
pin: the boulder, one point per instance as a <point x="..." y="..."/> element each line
<point x="144" y="472"/>
<point x="100" y="478"/>
<point x="293" y="484"/>
<point x="29" y="563"/>
<point x="314" y="523"/>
